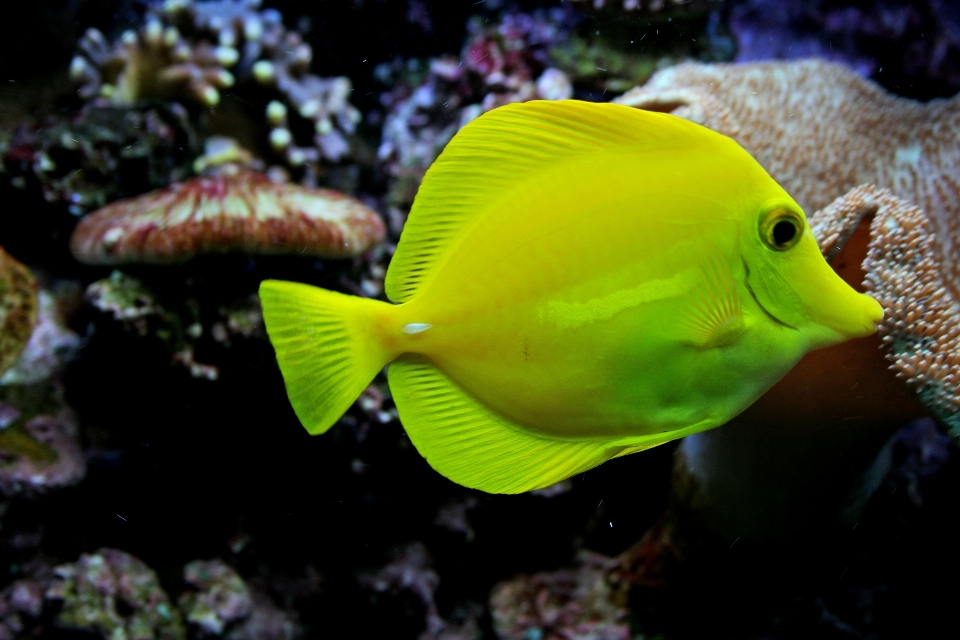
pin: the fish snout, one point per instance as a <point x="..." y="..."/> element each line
<point x="872" y="316"/>
<point x="864" y="321"/>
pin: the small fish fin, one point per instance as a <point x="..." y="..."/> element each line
<point x="326" y="345"/>
<point x="502" y="148"/>
<point x="713" y="316"/>
<point x="467" y="443"/>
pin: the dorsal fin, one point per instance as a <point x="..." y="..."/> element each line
<point x="502" y="148"/>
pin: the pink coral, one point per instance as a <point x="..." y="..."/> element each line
<point x="240" y="212"/>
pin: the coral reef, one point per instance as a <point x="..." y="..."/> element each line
<point x="787" y="468"/>
<point x="780" y="112"/>
<point x="127" y="300"/>
<point x="266" y="622"/>
<point x="580" y="601"/>
<point x="502" y="63"/>
<point x="102" y="153"/>
<point x="820" y="130"/>
<point x="21" y="603"/>
<point x="153" y="63"/>
<point x="907" y="272"/>
<point x="112" y="593"/>
<point x="411" y="569"/>
<point x="39" y="446"/>
<point x="195" y="51"/>
<point x="222" y="597"/>
<point x="51" y="345"/>
<point x="241" y="212"/>
<point x="650" y="6"/>
<point x="521" y="57"/>
<point x="39" y="434"/>
<point x="18" y="308"/>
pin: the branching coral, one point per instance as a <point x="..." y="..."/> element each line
<point x="153" y="63"/>
<point x="507" y="62"/>
<point x="194" y="51"/>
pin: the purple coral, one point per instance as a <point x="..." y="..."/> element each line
<point x="502" y="63"/>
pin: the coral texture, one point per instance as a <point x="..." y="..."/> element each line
<point x="128" y="301"/>
<point x="907" y="272"/>
<point x="509" y="62"/>
<point x="102" y="153"/>
<point x="411" y="569"/>
<point x="241" y="212"/>
<point x="649" y="6"/>
<point x="152" y="63"/>
<point x="820" y="130"/>
<point x="195" y="51"/>
<point x="579" y="601"/>
<point x="51" y="346"/>
<point x="18" y="308"/>
<point x="20" y="603"/>
<point x="38" y="451"/>
<point x="222" y="597"/>
<point x="112" y="593"/>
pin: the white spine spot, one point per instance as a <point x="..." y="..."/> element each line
<point x="416" y="327"/>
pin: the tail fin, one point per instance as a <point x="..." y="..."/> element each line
<point x="328" y="346"/>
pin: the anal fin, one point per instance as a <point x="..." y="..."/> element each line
<point x="469" y="444"/>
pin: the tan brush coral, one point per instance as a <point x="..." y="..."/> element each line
<point x="821" y="130"/>
<point x="240" y="212"/>
<point x="787" y="466"/>
<point x="906" y="272"/>
<point x="18" y="308"/>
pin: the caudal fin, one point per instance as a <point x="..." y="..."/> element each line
<point x="328" y="346"/>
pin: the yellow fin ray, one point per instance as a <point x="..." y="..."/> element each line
<point x="713" y="315"/>
<point x="469" y="444"/>
<point x="501" y="150"/>
<point x="326" y="345"/>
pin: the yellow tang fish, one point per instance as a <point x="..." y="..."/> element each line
<point x="575" y="282"/>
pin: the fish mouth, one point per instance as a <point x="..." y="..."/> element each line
<point x="746" y="281"/>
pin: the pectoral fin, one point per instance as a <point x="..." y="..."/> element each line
<point x="712" y="315"/>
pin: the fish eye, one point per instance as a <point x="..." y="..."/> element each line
<point x="781" y="229"/>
